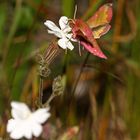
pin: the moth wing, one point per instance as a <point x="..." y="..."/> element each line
<point x="99" y="31"/>
<point x="93" y="48"/>
<point x="101" y="17"/>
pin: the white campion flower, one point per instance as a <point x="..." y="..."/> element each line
<point x="26" y="123"/>
<point x="63" y="33"/>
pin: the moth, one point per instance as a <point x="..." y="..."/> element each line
<point x="96" y="26"/>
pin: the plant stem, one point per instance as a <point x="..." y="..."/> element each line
<point x="40" y="90"/>
<point x="81" y="70"/>
<point x="49" y="100"/>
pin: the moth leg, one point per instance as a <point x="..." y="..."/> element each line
<point x="66" y="50"/>
<point x="79" y="48"/>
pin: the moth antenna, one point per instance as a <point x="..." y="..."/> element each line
<point x="79" y="48"/>
<point x="75" y="11"/>
<point x="66" y="51"/>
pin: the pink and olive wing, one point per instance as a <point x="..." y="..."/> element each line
<point x="101" y="17"/>
<point x="99" y="31"/>
<point x="93" y="48"/>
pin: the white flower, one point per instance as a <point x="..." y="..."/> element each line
<point x="26" y="123"/>
<point x="63" y="33"/>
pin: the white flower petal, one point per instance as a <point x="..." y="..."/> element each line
<point x="27" y="129"/>
<point x="62" y="43"/>
<point x="63" y="21"/>
<point x="67" y="29"/>
<point x="51" y="26"/>
<point x="58" y="34"/>
<point x="69" y="45"/>
<point x="69" y="36"/>
<point x="16" y="135"/>
<point x="65" y="43"/>
<point x="19" y="110"/>
<point x="43" y="112"/>
<point x="74" y="40"/>
<point x="36" y="129"/>
<point x="11" y="124"/>
<point x="17" y="132"/>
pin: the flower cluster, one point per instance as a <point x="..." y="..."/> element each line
<point x="63" y="33"/>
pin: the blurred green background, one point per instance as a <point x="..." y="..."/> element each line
<point x="104" y="103"/>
